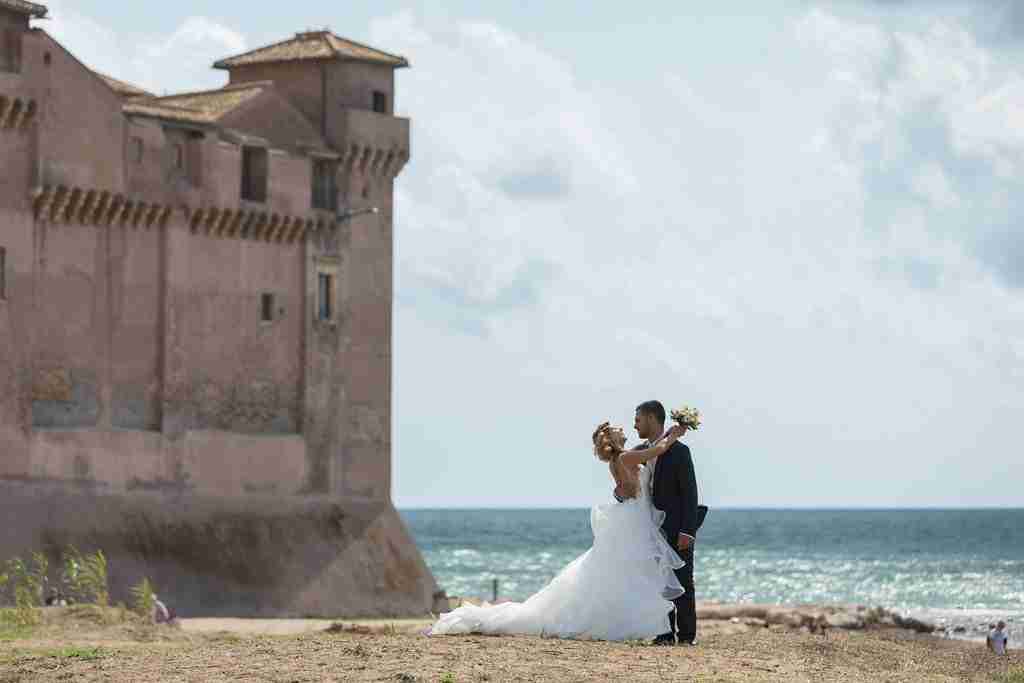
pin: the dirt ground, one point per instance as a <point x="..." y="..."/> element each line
<point x="95" y="648"/>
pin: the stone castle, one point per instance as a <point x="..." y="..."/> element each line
<point x="195" y="326"/>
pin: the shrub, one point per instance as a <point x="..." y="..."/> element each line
<point x="1015" y="675"/>
<point x="26" y="583"/>
<point x="143" y="598"/>
<point x="86" y="576"/>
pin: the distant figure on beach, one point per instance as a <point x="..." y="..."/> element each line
<point x="163" y="614"/>
<point x="998" y="639"/>
<point x="988" y="635"/>
<point x="621" y="588"/>
<point x="55" y="599"/>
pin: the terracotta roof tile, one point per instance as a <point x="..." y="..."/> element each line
<point x="146" y="107"/>
<point x="353" y="50"/>
<point x="313" y="45"/>
<point x="122" y="88"/>
<point x="196" y="107"/>
<point x="24" y="7"/>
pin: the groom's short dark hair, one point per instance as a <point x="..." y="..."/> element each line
<point x="653" y="408"/>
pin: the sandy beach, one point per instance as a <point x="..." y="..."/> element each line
<point x="89" y="645"/>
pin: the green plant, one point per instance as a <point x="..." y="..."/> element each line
<point x="87" y="654"/>
<point x="40" y="572"/>
<point x="448" y="678"/>
<point x="143" y="597"/>
<point x="26" y="582"/>
<point x="86" y="576"/>
<point x="10" y="628"/>
<point x="96" y="578"/>
<point x="71" y="572"/>
<point x="1014" y="675"/>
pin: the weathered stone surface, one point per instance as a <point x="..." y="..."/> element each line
<point x="52" y="384"/>
<point x="913" y="624"/>
<point x="195" y="435"/>
<point x="812" y="618"/>
<point x="68" y="399"/>
<point x="845" y="620"/>
<point x="209" y="556"/>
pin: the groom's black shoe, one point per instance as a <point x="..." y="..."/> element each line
<point x="665" y="639"/>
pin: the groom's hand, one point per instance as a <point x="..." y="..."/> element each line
<point x="684" y="542"/>
<point x="676" y="432"/>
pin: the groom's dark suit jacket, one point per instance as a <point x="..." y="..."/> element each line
<point x="675" y="492"/>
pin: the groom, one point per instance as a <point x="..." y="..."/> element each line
<point x="675" y="493"/>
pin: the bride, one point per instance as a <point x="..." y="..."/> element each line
<point x="621" y="588"/>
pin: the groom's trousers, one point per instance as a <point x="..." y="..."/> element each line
<point x="683" y="620"/>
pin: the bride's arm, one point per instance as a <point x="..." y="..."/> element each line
<point x="619" y="492"/>
<point x="662" y="445"/>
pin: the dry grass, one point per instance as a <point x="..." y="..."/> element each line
<point x="88" y="649"/>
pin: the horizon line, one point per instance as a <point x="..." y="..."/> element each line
<point x="775" y="508"/>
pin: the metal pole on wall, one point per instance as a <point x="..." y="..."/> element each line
<point x="346" y="214"/>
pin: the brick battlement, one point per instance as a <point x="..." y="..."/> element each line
<point x="103" y="208"/>
<point x="259" y="226"/>
<point x="96" y="207"/>
<point x="16" y="113"/>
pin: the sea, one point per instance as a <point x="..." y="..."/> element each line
<point x="959" y="569"/>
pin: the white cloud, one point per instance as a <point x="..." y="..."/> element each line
<point x="819" y="251"/>
<point x="162" y="63"/>
<point x="737" y="258"/>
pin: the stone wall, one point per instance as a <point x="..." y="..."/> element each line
<point x="151" y="405"/>
<point x="227" y="368"/>
<point x="72" y="99"/>
<point x="351" y="85"/>
<point x="98" y="327"/>
<point x="300" y="82"/>
<point x="263" y="556"/>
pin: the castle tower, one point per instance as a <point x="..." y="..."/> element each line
<point x="195" y="349"/>
<point x="348" y="91"/>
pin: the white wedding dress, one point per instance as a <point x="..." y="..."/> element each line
<point x="620" y="589"/>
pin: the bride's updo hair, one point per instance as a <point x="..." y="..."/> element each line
<point x="608" y="442"/>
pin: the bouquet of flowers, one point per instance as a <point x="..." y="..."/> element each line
<point x="687" y="417"/>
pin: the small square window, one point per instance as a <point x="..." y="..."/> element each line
<point x="380" y="101"/>
<point x="10" y="49"/>
<point x="267" y="308"/>
<point x="326" y="296"/>
<point x="3" y="273"/>
<point x="254" y="174"/>
<point x="137" y="149"/>
<point x="325" y="184"/>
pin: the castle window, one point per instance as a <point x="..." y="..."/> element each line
<point x="380" y="101"/>
<point x="325" y="184"/>
<point x="325" y="298"/>
<point x="3" y="273"/>
<point x="10" y="50"/>
<point x="179" y="157"/>
<point x="267" y="308"/>
<point x="136" y="150"/>
<point x="254" y="174"/>
<point x="194" y="157"/>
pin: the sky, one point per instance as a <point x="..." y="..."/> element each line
<point x="805" y="223"/>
